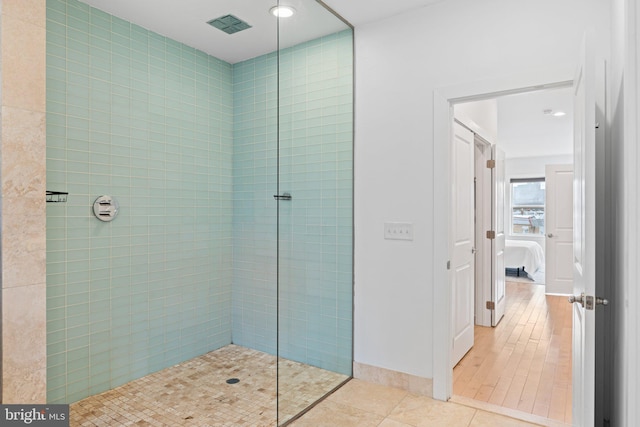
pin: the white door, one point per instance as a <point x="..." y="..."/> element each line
<point x="559" y="229"/>
<point x="584" y="233"/>
<point x="462" y="263"/>
<point x="498" y="289"/>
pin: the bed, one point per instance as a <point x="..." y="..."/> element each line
<point x="523" y="257"/>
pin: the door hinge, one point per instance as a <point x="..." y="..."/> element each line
<point x="491" y="305"/>
<point x="491" y="234"/>
<point x="491" y="164"/>
<point x="448" y="265"/>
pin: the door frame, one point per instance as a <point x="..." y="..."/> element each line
<point x="443" y="101"/>
<point x="628" y="365"/>
<point x="483" y="223"/>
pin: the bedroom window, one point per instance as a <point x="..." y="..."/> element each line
<point x="527" y="206"/>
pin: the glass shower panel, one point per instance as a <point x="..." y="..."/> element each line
<point x="315" y="200"/>
<point x="254" y="290"/>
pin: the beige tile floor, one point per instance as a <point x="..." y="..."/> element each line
<point x="362" y="404"/>
<point x="195" y="393"/>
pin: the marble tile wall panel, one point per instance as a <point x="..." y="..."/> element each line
<point x="22" y="200"/>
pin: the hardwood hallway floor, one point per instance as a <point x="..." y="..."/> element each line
<point x="525" y="362"/>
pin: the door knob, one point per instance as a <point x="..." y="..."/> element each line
<point x="550" y="235"/>
<point x="588" y="301"/>
<point x="577" y="298"/>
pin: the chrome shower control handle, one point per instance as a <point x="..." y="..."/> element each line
<point x="105" y="208"/>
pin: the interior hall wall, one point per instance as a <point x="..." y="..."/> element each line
<point x="400" y="61"/>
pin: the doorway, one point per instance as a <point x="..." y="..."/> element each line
<point x="444" y="99"/>
<point x="524" y="363"/>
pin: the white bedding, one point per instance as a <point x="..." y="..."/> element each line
<point x="524" y="253"/>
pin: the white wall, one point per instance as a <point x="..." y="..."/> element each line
<point x="399" y="63"/>
<point x="533" y="167"/>
<point x="624" y="330"/>
<point x="479" y="116"/>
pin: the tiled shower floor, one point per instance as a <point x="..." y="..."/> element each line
<point x="195" y="393"/>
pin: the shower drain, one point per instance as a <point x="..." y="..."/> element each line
<point x="233" y="381"/>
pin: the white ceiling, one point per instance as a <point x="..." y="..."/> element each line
<point x="186" y="21"/>
<point x="359" y="12"/>
<point x="525" y="131"/>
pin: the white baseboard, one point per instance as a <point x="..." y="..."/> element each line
<point x="563" y="289"/>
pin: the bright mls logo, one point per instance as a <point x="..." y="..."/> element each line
<point x="37" y="415"/>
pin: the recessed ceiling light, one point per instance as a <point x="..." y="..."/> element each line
<point x="282" y="11"/>
<point x="550" y="112"/>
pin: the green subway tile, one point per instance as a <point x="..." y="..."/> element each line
<point x="56" y="348"/>
<point x="76" y="37"/>
<point x="190" y="119"/>
<point x="54" y="371"/>
<point x="56" y="381"/>
<point x="56" y="59"/>
<point x="99" y="381"/>
<point x="100" y="344"/>
<point x="77" y="389"/>
<point x="57" y="5"/>
<point x="121" y="27"/>
<point x="78" y="24"/>
<point x="100" y="19"/>
<point x="57" y="33"/>
<point x="79" y="14"/>
<point x="78" y="336"/>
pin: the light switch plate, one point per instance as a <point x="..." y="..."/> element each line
<point x="398" y="230"/>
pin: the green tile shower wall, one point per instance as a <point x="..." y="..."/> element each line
<point x="255" y="165"/>
<point x="188" y="145"/>
<point x="315" y="228"/>
<point x="149" y="121"/>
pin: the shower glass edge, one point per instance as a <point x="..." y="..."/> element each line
<point x="314" y="206"/>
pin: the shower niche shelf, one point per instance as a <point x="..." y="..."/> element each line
<point x="56" y="196"/>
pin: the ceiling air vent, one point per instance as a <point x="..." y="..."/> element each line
<point x="229" y="24"/>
